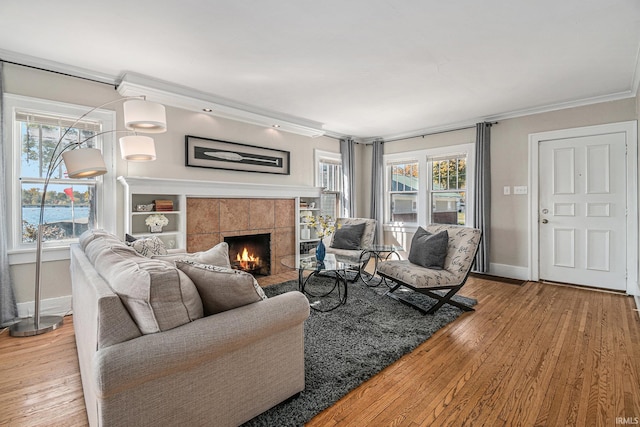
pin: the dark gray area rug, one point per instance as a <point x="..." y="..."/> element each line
<point x="350" y="344"/>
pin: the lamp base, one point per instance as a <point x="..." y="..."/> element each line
<point x="27" y="327"/>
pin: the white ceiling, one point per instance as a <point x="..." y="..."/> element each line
<point x="365" y="68"/>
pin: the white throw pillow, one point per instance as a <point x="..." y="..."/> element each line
<point x="217" y="255"/>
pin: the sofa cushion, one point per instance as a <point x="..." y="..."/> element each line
<point x="90" y="235"/>
<point x="217" y="255"/>
<point x="429" y="250"/>
<point x="348" y="236"/>
<point x="221" y="288"/>
<point x="157" y="295"/>
<point x="149" y="246"/>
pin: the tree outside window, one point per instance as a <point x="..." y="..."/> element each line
<point x="448" y="190"/>
<point x="404" y="192"/>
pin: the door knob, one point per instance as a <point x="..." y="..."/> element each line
<point x="544" y="221"/>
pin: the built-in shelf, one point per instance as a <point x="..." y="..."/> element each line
<point x="141" y="191"/>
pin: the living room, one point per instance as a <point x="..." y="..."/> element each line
<point x="512" y="239"/>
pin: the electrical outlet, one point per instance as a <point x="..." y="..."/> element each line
<point x="507" y="190"/>
<point x="520" y="189"/>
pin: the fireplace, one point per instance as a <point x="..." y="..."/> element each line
<point x="250" y="253"/>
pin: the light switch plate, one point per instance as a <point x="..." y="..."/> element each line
<point x="507" y="190"/>
<point x="520" y="189"/>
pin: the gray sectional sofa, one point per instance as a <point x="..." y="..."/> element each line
<point x="151" y="355"/>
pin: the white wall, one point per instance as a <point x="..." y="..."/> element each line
<point x="170" y="157"/>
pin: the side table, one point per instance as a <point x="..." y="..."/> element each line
<point x="377" y="252"/>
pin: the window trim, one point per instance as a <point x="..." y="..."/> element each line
<point x="20" y="253"/>
<point x="320" y="155"/>
<point x="423" y="157"/>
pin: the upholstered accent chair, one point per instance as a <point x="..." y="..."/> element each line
<point x="366" y="239"/>
<point x="461" y="251"/>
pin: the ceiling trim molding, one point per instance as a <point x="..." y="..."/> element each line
<point x="504" y="116"/>
<point x="193" y="100"/>
<point x="56" y="67"/>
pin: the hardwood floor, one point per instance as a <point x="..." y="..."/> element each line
<point x="536" y="354"/>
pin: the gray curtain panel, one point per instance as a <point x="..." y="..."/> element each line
<point x="377" y="189"/>
<point x="348" y="194"/>
<point x="482" y="195"/>
<point x="8" y="310"/>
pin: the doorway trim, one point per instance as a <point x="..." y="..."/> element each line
<point x="629" y="128"/>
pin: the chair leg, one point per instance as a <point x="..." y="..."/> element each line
<point x="442" y="299"/>
<point x="446" y="299"/>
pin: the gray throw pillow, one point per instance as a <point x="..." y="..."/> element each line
<point x="221" y="288"/>
<point x="429" y="250"/>
<point x="348" y="236"/>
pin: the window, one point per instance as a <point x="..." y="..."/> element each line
<point x="430" y="186"/>
<point x="448" y="190"/>
<point x="329" y="176"/>
<point x="72" y="205"/>
<point x="403" y="192"/>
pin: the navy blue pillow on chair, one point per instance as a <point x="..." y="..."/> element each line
<point x="429" y="250"/>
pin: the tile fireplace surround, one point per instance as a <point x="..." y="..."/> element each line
<point x="210" y="220"/>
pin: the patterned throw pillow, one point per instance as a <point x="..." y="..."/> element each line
<point x="149" y="246"/>
<point x="220" y="288"/>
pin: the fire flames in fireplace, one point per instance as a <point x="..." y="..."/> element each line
<point x="250" y="253"/>
<point x="247" y="262"/>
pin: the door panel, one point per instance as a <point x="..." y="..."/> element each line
<point x="582" y="202"/>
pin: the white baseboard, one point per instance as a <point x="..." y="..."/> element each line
<point x="637" y="298"/>
<point x="48" y="307"/>
<point x="509" y="271"/>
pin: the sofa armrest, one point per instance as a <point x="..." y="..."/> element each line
<point x="127" y="365"/>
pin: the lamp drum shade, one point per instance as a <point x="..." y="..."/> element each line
<point x="144" y="116"/>
<point x="137" y="148"/>
<point x="84" y="163"/>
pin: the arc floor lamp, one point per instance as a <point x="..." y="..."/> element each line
<point x="140" y="115"/>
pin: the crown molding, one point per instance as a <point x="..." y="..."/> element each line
<point x="504" y="116"/>
<point x="56" y="67"/>
<point x="190" y="99"/>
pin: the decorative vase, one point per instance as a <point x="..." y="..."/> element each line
<point x="155" y="228"/>
<point x="320" y="251"/>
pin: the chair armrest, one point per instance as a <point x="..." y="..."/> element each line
<point x="127" y="365"/>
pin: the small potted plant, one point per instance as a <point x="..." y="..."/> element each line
<point x="155" y="222"/>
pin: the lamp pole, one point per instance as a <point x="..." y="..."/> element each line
<point x="41" y="324"/>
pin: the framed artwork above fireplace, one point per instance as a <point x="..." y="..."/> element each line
<point x="213" y="153"/>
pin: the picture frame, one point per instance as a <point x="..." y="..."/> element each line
<point x="218" y="154"/>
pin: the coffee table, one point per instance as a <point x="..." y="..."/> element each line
<point x="322" y="296"/>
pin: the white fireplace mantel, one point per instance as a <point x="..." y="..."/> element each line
<point x="197" y="188"/>
<point x="142" y="190"/>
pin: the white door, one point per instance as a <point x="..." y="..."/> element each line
<point x="582" y="210"/>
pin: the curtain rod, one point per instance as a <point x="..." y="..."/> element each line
<point x="436" y="133"/>
<point x="56" y="72"/>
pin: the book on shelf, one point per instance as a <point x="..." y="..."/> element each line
<point x="163" y="205"/>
